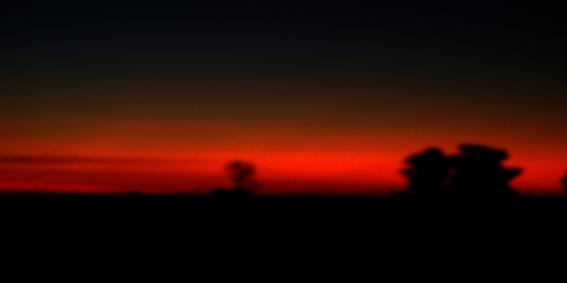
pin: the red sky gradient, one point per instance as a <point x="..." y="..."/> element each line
<point x="341" y="140"/>
<point x="322" y="97"/>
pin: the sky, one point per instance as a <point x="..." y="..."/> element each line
<point x="324" y="97"/>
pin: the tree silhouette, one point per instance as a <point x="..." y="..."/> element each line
<point x="478" y="170"/>
<point x="564" y="182"/>
<point x="427" y="173"/>
<point x="242" y="174"/>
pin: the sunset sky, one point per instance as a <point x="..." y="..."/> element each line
<point x="323" y="98"/>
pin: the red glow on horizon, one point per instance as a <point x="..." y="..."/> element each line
<point x="279" y="173"/>
<point x="331" y="145"/>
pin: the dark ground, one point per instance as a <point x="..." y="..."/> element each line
<point x="285" y="233"/>
<point x="275" y="209"/>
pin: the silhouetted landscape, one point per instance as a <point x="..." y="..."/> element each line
<point x="473" y="183"/>
<point x="283" y="117"/>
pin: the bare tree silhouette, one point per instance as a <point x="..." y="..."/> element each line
<point x="478" y="170"/>
<point x="427" y="172"/>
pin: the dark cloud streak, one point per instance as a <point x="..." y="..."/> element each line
<point x="62" y="160"/>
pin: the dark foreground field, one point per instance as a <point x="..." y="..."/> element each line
<point x="300" y="208"/>
<point x="399" y="229"/>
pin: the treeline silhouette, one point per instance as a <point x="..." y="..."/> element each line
<point x="477" y="171"/>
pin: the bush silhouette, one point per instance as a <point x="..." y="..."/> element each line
<point x="428" y="172"/>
